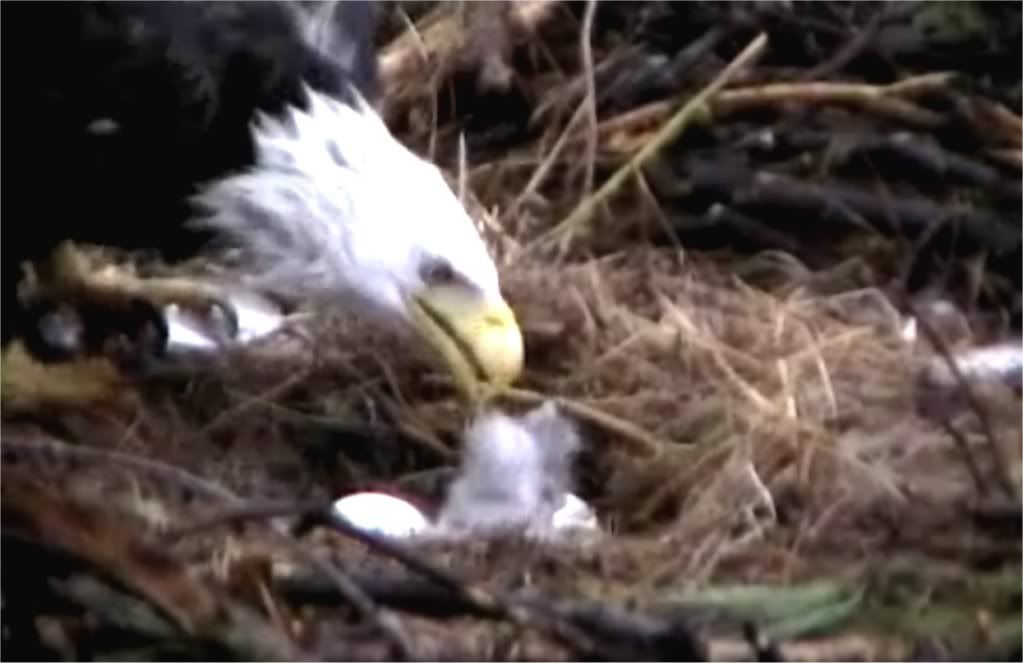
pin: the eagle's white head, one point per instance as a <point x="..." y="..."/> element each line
<point x="336" y="211"/>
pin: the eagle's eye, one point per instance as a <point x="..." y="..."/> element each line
<point x="437" y="271"/>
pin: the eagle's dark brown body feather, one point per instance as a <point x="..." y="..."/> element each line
<point x="114" y="113"/>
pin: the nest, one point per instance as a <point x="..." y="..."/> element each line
<point x="717" y="292"/>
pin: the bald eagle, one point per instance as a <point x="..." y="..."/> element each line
<point x="243" y="132"/>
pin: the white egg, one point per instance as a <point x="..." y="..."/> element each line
<point x="382" y="514"/>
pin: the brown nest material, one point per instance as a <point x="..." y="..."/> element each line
<point x="773" y="477"/>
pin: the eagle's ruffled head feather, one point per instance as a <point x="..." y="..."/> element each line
<point x="336" y="211"/>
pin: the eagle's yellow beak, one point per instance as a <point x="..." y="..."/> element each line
<point x="479" y="339"/>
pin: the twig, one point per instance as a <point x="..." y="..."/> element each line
<point x="882" y="99"/>
<point x="573" y="91"/>
<point x="991" y="120"/>
<point x="437" y="44"/>
<point x="763" y="235"/>
<point x="649" y="116"/>
<point x="42" y="529"/>
<point x="424" y="56"/>
<point x="879" y="99"/>
<point x="155" y="468"/>
<point x="384" y="621"/>
<point x="859" y="42"/>
<point x="483" y="601"/>
<point x="1011" y="157"/>
<point x="628" y="635"/>
<point x="590" y="101"/>
<point x="411" y="427"/>
<point x="908" y="214"/>
<point x="244" y="637"/>
<point x="1001" y="462"/>
<point x="658" y="212"/>
<point x="643" y="441"/>
<point x="244" y="512"/>
<point x="847" y="53"/>
<point x="548" y="162"/>
<point x="971" y="462"/>
<point x="564" y="231"/>
<point x="943" y="162"/>
<point x="267" y="396"/>
<point x="634" y="121"/>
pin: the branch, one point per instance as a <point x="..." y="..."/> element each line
<point x="911" y="214"/>
<point x="46" y="536"/>
<point x="153" y="468"/>
<point x="564" y="231"/>
<point x="1000" y="460"/>
<point x="386" y="623"/>
<point x="621" y="635"/>
<point x="427" y="52"/>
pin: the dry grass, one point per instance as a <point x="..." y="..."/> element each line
<point x="749" y="420"/>
<point x="735" y="436"/>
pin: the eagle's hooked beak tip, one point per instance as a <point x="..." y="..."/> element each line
<point x="479" y="339"/>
